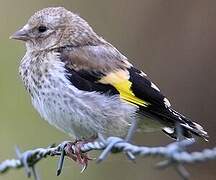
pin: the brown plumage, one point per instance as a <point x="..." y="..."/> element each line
<point x="102" y="57"/>
<point x="84" y="86"/>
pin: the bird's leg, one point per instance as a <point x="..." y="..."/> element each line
<point x="131" y="130"/>
<point x="73" y="151"/>
<point x="129" y="137"/>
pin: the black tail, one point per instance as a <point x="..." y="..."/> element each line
<point x="170" y="118"/>
<point x="188" y="127"/>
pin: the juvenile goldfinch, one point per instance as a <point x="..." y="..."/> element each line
<point x="84" y="86"/>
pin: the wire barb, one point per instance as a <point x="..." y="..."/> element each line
<point x="110" y="144"/>
<point x="60" y="163"/>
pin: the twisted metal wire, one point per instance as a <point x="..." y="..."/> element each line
<point x="173" y="153"/>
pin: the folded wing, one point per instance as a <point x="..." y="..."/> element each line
<point x="104" y="69"/>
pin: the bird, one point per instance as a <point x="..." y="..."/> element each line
<point x="86" y="87"/>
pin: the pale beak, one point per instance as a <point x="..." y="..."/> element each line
<point x="21" y="34"/>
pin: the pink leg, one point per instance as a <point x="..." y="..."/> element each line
<point x="73" y="151"/>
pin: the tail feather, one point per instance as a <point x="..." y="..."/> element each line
<point x="189" y="126"/>
<point x="169" y="117"/>
<point x="172" y="132"/>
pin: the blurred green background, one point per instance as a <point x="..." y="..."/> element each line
<point x="172" y="41"/>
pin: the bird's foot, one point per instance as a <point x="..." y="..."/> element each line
<point x="73" y="151"/>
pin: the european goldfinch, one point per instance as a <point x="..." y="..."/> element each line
<point x="84" y="86"/>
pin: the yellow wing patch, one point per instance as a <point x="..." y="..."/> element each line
<point x="120" y="80"/>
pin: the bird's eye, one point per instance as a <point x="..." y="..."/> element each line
<point x="42" y="29"/>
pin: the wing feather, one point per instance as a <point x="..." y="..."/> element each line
<point x="105" y="70"/>
<point x="104" y="64"/>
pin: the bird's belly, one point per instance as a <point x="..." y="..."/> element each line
<point x="76" y="112"/>
<point x="85" y="114"/>
<point x="63" y="117"/>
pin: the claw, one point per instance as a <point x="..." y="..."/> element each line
<point x="73" y="151"/>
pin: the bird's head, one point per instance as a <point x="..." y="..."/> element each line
<point x="55" y="27"/>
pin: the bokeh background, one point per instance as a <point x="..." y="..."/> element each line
<point x="172" y="41"/>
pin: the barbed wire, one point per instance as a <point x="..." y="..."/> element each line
<point x="174" y="154"/>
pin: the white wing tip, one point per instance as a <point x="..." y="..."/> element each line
<point x="167" y="103"/>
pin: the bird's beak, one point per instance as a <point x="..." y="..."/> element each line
<point x="21" y="34"/>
